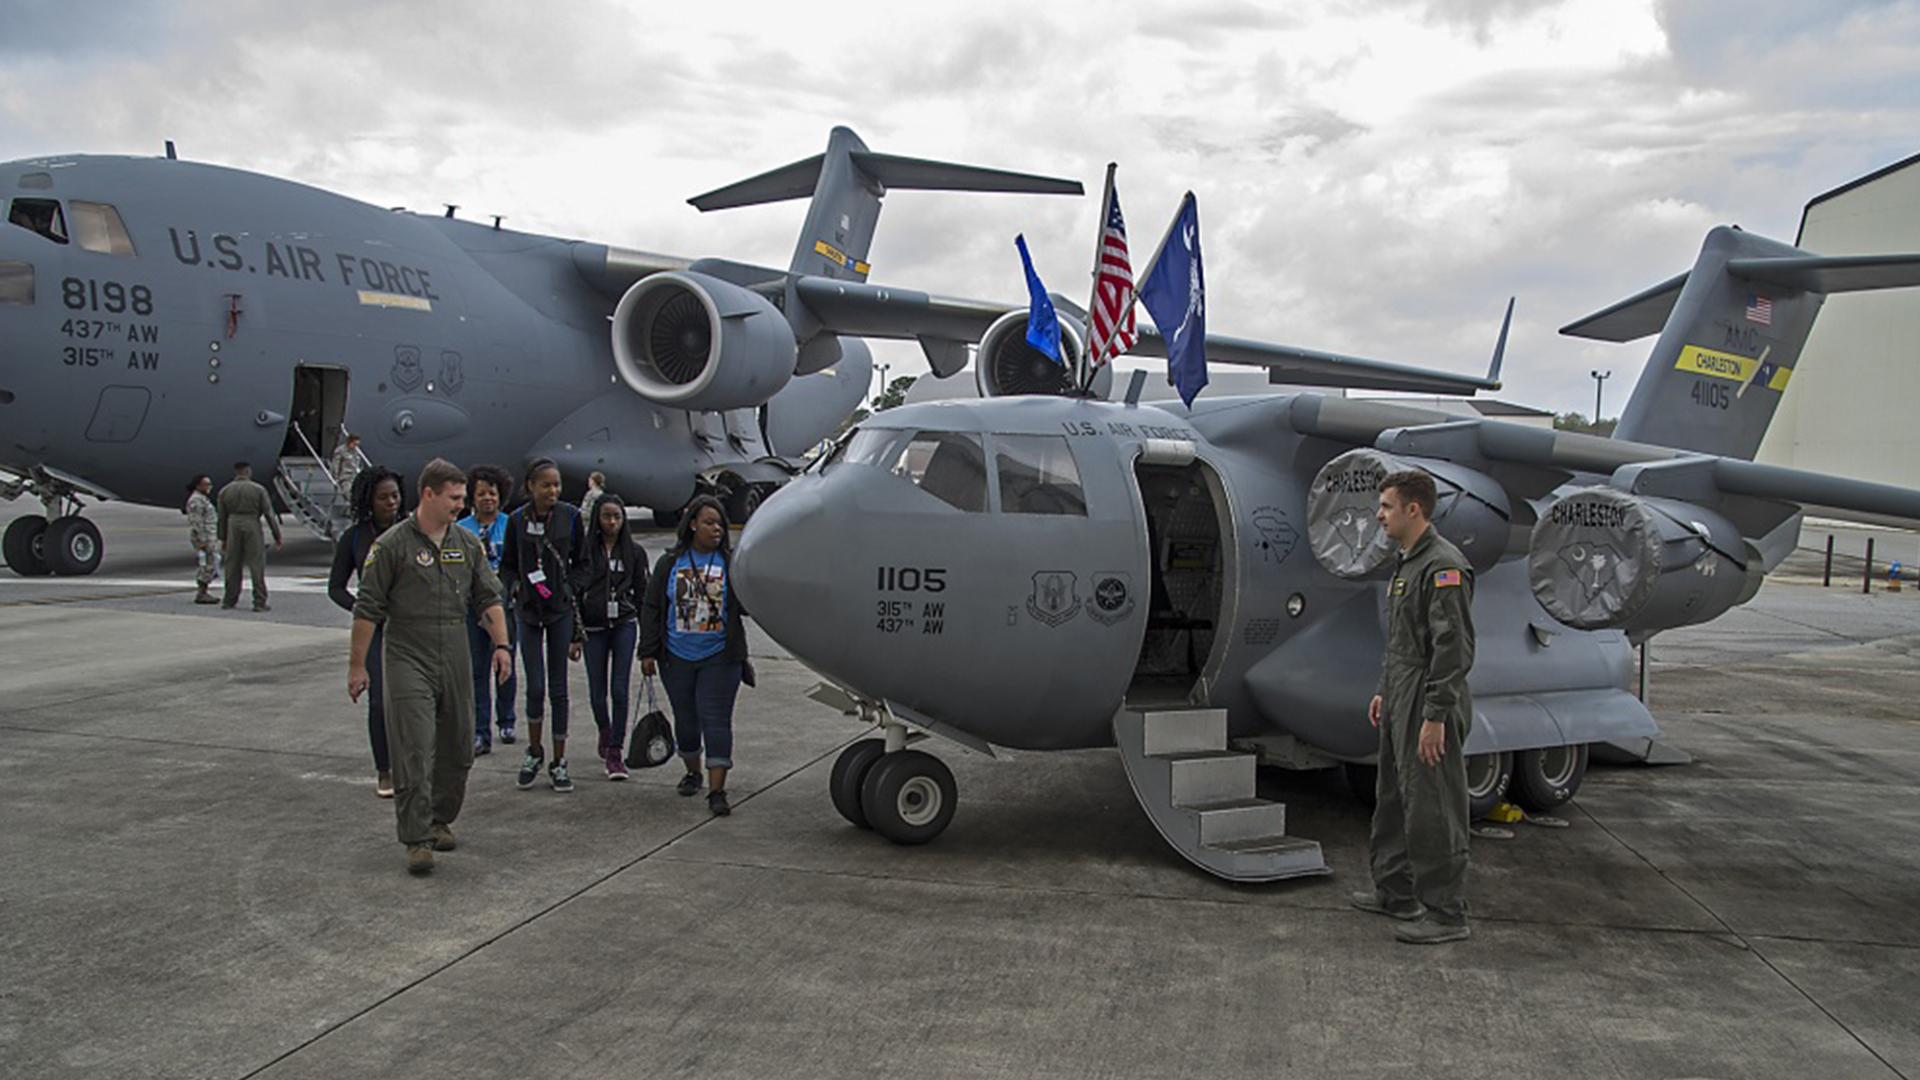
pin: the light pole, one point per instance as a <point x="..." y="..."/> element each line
<point x="1599" y="380"/>
<point x="884" y="368"/>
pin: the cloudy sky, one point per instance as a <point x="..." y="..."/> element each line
<point x="1375" y="177"/>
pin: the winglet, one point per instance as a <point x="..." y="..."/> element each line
<point x="1500" y="347"/>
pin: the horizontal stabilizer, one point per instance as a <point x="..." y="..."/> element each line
<point x="798" y="180"/>
<point x="1832" y="273"/>
<point x="1634" y="317"/>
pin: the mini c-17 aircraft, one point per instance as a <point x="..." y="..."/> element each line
<point x="1048" y="573"/>
<point x="161" y="318"/>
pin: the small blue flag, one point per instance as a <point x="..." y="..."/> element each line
<point x="1043" y="326"/>
<point x="1175" y="293"/>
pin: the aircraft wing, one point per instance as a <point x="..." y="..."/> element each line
<point x="863" y="309"/>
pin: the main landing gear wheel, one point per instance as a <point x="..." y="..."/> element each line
<point x="742" y="502"/>
<point x="71" y="546"/>
<point x="849" y="773"/>
<point x="24" y="544"/>
<point x="909" y="797"/>
<point x="1547" y="778"/>
<point x="1488" y="777"/>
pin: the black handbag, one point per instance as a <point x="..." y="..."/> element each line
<point x="652" y="742"/>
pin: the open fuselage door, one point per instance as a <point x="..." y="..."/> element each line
<point x="316" y="425"/>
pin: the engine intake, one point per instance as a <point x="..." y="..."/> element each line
<point x="1472" y="511"/>
<point x="1006" y="366"/>
<point x="693" y="341"/>
<point x="1602" y="558"/>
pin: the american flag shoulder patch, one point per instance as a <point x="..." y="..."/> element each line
<point x="1446" y="577"/>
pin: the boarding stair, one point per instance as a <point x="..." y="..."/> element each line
<point x="307" y="486"/>
<point x="1200" y="796"/>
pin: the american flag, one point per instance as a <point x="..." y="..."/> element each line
<point x="1112" y="307"/>
<point x="1759" y="309"/>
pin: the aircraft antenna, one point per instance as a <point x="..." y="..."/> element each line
<point x="497" y="219"/>
<point x="451" y="207"/>
<point x="171" y="156"/>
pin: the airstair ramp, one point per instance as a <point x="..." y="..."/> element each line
<point x="1200" y="796"/>
<point x="307" y="487"/>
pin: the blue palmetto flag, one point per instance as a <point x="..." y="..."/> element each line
<point x="1043" y="325"/>
<point x="1174" y="292"/>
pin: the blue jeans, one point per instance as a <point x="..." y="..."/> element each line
<point x="702" y="693"/>
<point x="488" y="696"/>
<point x="544" y="650"/>
<point x="611" y="648"/>
<point x="377" y="700"/>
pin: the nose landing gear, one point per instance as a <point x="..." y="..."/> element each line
<point x="904" y="795"/>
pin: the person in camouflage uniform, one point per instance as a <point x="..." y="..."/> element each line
<point x="203" y="532"/>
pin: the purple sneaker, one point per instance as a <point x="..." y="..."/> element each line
<point x="616" y="768"/>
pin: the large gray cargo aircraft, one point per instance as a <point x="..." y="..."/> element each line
<point x="160" y="318"/>
<point x="1205" y="587"/>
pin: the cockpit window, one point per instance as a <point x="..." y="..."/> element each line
<point x="97" y="227"/>
<point x="948" y="465"/>
<point x="16" y="283"/>
<point x="41" y="216"/>
<point x="1038" y="476"/>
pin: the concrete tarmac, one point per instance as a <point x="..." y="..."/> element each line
<point x="199" y="882"/>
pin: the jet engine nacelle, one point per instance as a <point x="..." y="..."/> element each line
<point x="1006" y="365"/>
<point x="693" y="341"/>
<point x="1472" y="511"/>
<point x="1602" y="558"/>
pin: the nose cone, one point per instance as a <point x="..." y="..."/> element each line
<point x="783" y="567"/>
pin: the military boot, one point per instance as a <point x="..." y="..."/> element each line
<point x="420" y="858"/>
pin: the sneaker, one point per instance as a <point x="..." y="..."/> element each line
<point x="616" y="769"/>
<point x="557" y="775"/>
<point x="443" y="837"/>
<point x="420" y="858"/>
<point x="383" y="785"/>
<point x="1429" y="932"/>
<point x="689" y="783"/>
<point x="717" y="802"/>
<point x="506" y="734"/>
<point x="529" y="767"/>
<point x="1369" y="900"/>
<point x="481" y="747"/>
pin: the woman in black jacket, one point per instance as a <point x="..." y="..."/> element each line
<point x="379" y="496"/>
<point x="692" y="630"/>
<point x="546" y="540"/>
<point x="611" y="585"/>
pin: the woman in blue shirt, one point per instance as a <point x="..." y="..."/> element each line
<point x="489" y="488"/>
<point x="692" y="631"/>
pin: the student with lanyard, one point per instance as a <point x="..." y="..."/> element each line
<point x="489" y="491"/>
<point x="379" y="498"/>
<point x="692" y="630"/>
<point x="611" y="585"/>
<point x="545" y="541"/>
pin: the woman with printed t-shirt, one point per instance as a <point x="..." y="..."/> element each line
<point x="692" y="630"/>
<point x="611" y="585"/>
<point x="545" y="541"/>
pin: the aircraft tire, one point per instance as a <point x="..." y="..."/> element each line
<point x="849" y="773"/>
<point x="742" y="502"/>
<point x="72" y="546"/>
<point x="1547" y="778"/>
<point x="909" y="797"/>
<point x="24" y="545"/>
<point x="1363" y="780"/>
<point x="1488" y="778"/>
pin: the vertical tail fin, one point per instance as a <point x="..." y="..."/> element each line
<point x="1731" y="333"/>
<point x="846" y="184"/>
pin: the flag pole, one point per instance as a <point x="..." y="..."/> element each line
<point x="1085" y="375"/>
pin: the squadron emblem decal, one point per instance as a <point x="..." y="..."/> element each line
<point x="1053" y="600"/>
<point x="1112" y="598"/>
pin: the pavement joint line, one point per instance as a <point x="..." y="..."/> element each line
<point x="524" y="922"/>
<point x="1747" y="942"/>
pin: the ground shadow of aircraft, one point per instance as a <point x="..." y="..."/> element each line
<point x="1042" y="572"/>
